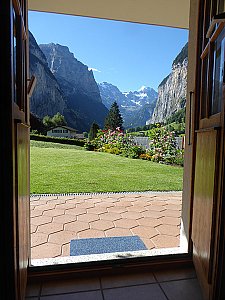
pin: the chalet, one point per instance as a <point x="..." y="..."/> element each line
<point x="62" y="131"/>
<point x="203" y="209"/>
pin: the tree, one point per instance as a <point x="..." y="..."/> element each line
<point x="114" y="118"/>
<point x="56" y="120"/>
<point x="47" y="121"/>
<point x="93" y="131"/>
<point x="36" y="124"/>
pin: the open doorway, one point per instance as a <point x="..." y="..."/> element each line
<point x="132" y="202"/>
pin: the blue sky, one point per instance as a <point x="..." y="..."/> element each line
<point x="127" y="55"/>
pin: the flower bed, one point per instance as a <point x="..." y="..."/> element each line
<point x="162" y="147"/>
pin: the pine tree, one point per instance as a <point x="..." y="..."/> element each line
<point x="93" y="131"/>
<point x="114" y="118"/>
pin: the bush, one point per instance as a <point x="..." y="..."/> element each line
<point x="45" y="138"/>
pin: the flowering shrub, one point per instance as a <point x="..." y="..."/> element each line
<point x="163" y="146"/>
<point x="115" y="142"/>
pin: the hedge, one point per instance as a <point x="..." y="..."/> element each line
<point x="52" y="139"/>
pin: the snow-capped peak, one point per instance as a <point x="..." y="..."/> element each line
<point x="142" y="88"/>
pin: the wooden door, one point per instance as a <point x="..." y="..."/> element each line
<point x="14" y="148"/>
<point x="209" y="137"/>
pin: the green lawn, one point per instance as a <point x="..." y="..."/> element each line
<point x="57" y="168"/>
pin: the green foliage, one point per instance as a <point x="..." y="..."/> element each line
<point x="52" y="139"/>
<point x="56" y="120"/>
<point x="36" y="124"/>
<point x="163" y="146"/>
<point x="114" y="119"/>
<point x="93" y="131"/>
<point x="178" y="117"/>
<point x="47" y="121"/>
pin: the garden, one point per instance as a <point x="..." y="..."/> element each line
<point x="162" y="148"/>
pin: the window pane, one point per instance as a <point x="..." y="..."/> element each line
<point x="14" y="57"/>
<point x="217" y="87"/>
<point x="221" y="6"/>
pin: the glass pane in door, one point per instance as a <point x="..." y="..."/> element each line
<point x="217" y="87"/>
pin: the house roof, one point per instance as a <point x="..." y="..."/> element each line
<point x="173" y="13"/>
<point x="63" y="126"/>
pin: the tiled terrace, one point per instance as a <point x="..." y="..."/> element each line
<point x="56" y="220"/>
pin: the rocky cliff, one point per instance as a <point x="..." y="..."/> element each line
<point x="47" y="98"/>
<point x="135" y="106"/>
<point x="64" y="85"/>
<point x="172" y="90"/>
<point x="77" y="83"/>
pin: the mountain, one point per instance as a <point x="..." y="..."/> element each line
<point x="64" y="85"/>
<point x="172" y="90"/>
<point x="77" y="83"/>
<point x="47" y="98"/>
<point x="135" y="106"/>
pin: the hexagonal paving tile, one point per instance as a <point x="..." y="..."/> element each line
<point x="171" y="213"/>
<point x="173" y="207"/>
<point x="53" y="212"/>
<point x="41" y="220"/>
<point x="65" y="250"/>
<point x="97" y="210"/>
<point x="168" y="229"/>
<point x="65" y="206"/>
<point x="88" y="218"/>
<point x="46" y="206"/>
<point x="155" y="207"/>
<point x="50" y="228"/>
<point x="64" y="219"/>
<point x="126" y="223"/>
<point x="144" y="232"/>
<point x="75" y="211"/>
<point x="104" y="204"/>
<point x="137" y="208"/>
<point x="117" y="232"/>
<point x="38" y="238"/>
<point x="170" y="220"/>
<point x="152" y="214"/>
<point x="110" y="216"/>
<point x="35" y="213"/>
<point x="123" y="203"/>
<point x="165" y="241"/>
<point x="85" y="205"/>
<point x="91" y="233"/>
<point x="117" y="209"/>
<point x="46" y="250"/>
<point x="149" y="222"/>
<point x="33" y="228"/>
<point x="142" y="203"/>
<point x="58" y="201"/>
<point x="132" y="215"/>
<point x="101" y="225"/>
<point x="61" y="237"/>
<point x="76" y="226"/>
<point x="148" y="243"/>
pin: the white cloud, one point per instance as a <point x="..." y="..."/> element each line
<point x="94" y="70"/>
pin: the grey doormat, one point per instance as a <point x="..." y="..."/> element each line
<point x="106" y="245"/>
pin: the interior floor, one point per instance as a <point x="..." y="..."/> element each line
<point x="164" y="284"/>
